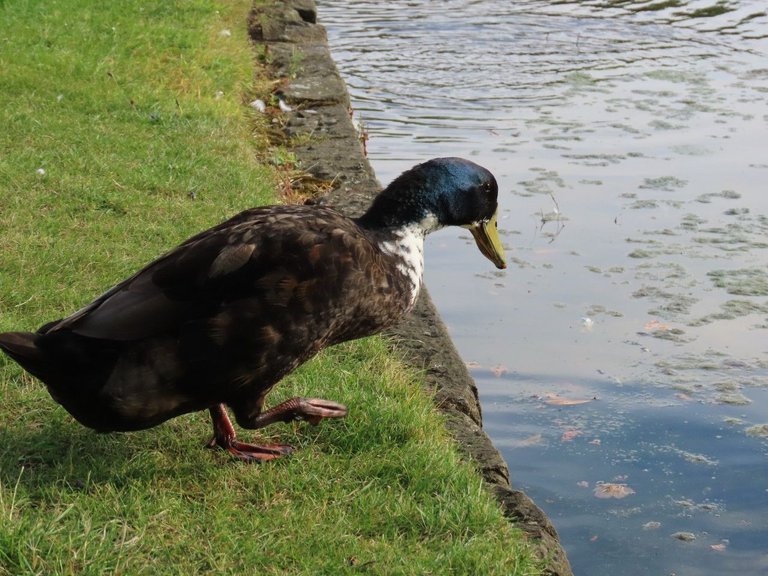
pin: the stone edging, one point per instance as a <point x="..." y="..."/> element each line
<point x="332" y="152"/>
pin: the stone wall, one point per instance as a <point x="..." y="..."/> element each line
<point x="331" y="150"/>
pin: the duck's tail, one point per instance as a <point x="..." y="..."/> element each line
<point x="22" y="347"/>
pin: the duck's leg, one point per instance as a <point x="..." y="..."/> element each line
<point x="224" y="436"/>
<point x="312" y="410"/>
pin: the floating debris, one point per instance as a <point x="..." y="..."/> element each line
<point x="652" y="525"/>
<point x="758" y="431"/>
<point x="693" y="458"/>
<point x="554" y="399"/>
<point x="612" y="490"/>
<point x="684" y="536"/>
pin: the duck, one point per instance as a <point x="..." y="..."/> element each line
<point x="215" y="323"/>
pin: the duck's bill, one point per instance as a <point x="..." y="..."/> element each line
<point x="487" y="238"/>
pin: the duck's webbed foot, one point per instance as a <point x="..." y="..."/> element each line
<point x="224" y="436"/>
<point x="313" y="410"/>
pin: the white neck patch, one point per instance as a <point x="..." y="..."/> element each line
<point x="408" y="247"/>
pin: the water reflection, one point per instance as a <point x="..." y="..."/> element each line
<point x="628" y="138"/>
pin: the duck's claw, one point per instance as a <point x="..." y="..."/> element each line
<point x="313" y="410"/>
<point x="250" y="452"/>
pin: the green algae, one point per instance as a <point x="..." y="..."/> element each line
<point x="658" y="6"/>
<point x="742" y="282"/>
<point x="644" y="204"/>
<point x="663" y="183"/>
<point x="691" y="222"/>
<point x="733" y="399"/>
<point x="691" y="150"/>
<point x="673" y="304"/>
<point x="731" y="310"/>
<point x="727" y="194"/>
<point x="709" y="11"/>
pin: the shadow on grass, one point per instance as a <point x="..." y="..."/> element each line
<point x="58" y="452"/>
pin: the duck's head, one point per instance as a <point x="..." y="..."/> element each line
<point x="442" y="192"/>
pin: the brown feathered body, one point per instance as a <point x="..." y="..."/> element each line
<point x="223" y="317"/>
<point x="220" y="319"/>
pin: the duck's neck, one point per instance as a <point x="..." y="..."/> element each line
<point x="406" y="246"/>
<point x="400" y="222"/>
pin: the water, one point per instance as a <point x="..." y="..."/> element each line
<point x="625" y="350"/>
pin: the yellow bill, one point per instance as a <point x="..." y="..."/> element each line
<point x="487" y="238"/>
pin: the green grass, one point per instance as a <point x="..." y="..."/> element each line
<point x="118" y="104"/>
<point x="135" y="114"/>
<point x="382" y="490"/>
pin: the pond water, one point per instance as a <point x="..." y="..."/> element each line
<point x="622" y="359"/>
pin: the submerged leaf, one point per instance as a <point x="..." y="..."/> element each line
<point x="533" y="440"/>
<point x="655" y="325"/>
<point x="556" y="400"/>
<point x="569" y="435"/>
<point x="499" y="370"/>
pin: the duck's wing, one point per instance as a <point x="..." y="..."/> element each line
<point x="260" y="253"/>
